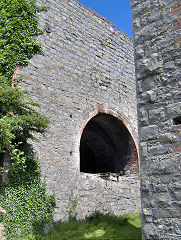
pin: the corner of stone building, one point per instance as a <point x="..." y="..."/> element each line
<point x="156" y="28"/>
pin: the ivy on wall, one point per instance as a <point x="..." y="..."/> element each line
<point x="18" y="29"/>
<point x="23" y="197"/>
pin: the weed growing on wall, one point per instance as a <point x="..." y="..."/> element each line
<point x="23" y="196"/>
<point x="72" y="211"/>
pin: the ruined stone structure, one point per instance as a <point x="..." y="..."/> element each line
<point x="157" y="37"/>
<point x="85" y="84"/>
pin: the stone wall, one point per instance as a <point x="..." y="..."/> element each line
<point x="157" y="28"/>
<point x="87" y="68"/>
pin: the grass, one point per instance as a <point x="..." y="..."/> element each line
<point x="97" y="226"/>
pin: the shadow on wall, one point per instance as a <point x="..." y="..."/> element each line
<point x="107" y="146"/>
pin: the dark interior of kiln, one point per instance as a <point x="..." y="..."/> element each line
<point x="107" y="146"/>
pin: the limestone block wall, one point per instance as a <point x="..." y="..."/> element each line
<point x="157" y="39"/>
<point x="87" y="68"/>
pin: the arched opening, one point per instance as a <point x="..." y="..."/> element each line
<point x="107" y="146"/>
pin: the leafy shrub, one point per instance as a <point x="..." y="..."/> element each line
<point x="18" y="118"/>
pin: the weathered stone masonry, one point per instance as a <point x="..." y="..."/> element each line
<point x="157" y="37"/>
<point x="87" y="71"/>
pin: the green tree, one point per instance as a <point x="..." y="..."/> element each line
<point x="18" y="118"/>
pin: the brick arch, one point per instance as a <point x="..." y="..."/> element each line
<point x="100" y="109"/>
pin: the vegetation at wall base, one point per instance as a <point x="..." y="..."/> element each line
<point x="23" y="196"/>
<point x="97" y="226"/>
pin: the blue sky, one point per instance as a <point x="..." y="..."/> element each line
<point x="116" y="11"/>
